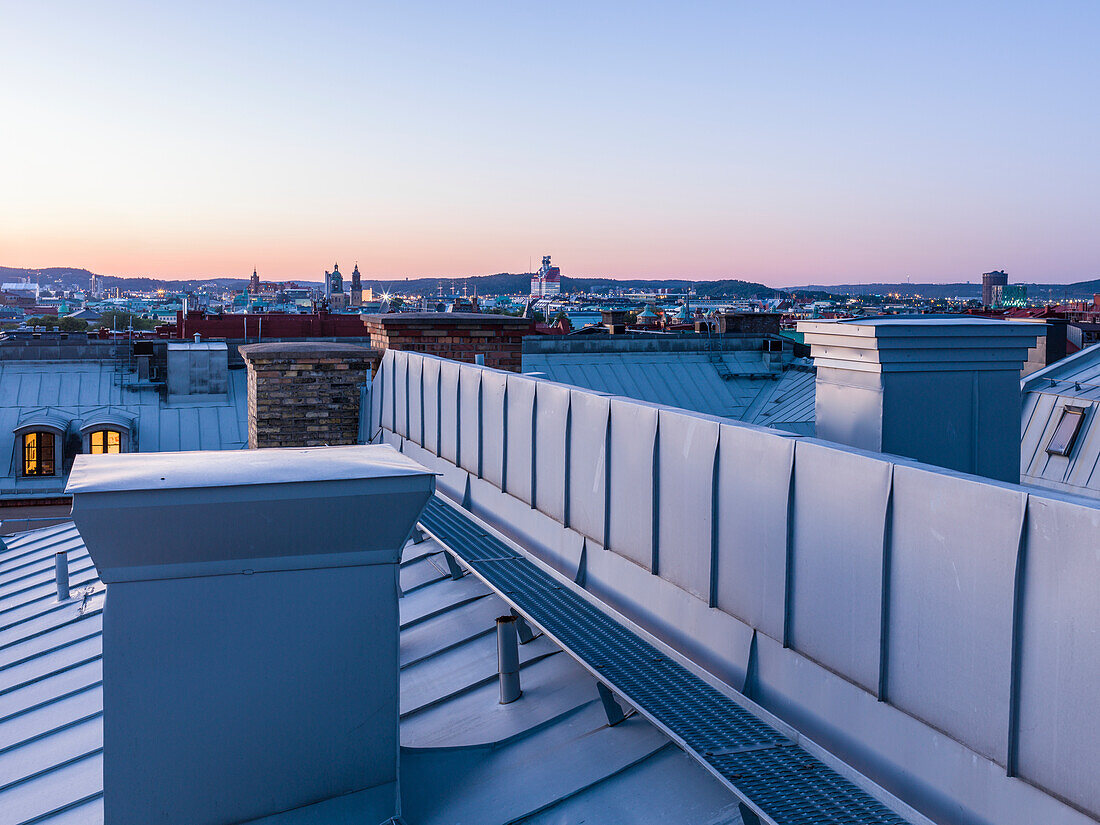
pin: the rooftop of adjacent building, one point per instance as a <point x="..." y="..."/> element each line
<point x="748" y="377"/>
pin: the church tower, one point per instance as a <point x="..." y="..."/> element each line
<point x="356" y="287"/>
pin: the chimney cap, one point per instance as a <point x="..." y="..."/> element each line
<point x="894" y="326"/>
<point x="281" y="350"/>
<point x="919" y="343"/>
<point x="230" y="511"/>
<point x="118" y="472"/>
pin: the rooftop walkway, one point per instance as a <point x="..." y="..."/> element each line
<point x="776" y="780"/>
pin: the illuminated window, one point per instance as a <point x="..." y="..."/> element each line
<point x="106" y="441"/>
<point x="38" y="454"/>
<point x="1065" y="434"/>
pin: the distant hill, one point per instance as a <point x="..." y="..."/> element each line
<point x="1075" y="291"/>
<point x="82" y="277"/>
<point x="503" y="283"/>
<point x="70" y="274"/>
<point x="512" y="284"/>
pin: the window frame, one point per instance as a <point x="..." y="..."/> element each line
<point x="105" y="447"/>
<point x="45" y="441"/>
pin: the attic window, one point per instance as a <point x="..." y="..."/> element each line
<point x="38" y="454"/>
<point x="105" y="441"/>
<point x="1065" y="434"/>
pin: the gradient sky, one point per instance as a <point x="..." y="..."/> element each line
<point x="786" y="143"/>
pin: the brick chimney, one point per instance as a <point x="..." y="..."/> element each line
<point x="305" y="394"/>
<point x="456" y="335"/>
<point x="250" y="628"/>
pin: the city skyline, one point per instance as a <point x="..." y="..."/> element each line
<point x="839" y="145"/>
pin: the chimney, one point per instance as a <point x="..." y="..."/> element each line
<point x="755" y="323"/>
<point x="305" y="394"/>
<point x="943" y="390"/>
<point x="197" y="370"/>
<point x="250" y="628"/>
<point x="454" y="335"/>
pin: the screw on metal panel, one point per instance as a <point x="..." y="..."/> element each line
<point x="61" y="567"/>
<point x="508" y="659"/>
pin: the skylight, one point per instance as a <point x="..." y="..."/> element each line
<point x="1065" y="434"/>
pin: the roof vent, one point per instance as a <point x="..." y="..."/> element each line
<point x="197" y="370"/>
<point x="944" y="390"/>
<point x="250" y="630"/>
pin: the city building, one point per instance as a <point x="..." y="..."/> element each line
<point x="547" y="281"/>
<point x="335" y="296"/>
<point x="990" y="282"/>
<point x="356" y="287"/>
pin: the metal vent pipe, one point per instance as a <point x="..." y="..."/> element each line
<point x="508" y="659"/>
<point x="61" y="568"/>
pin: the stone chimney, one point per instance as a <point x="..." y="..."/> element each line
<point x="305" y="394"/>
<point x="250" y="628"/>
<point x="944" y="390"/>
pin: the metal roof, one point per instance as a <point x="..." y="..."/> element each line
<point x="775" y="778"/>
<point x="51" y="731"/>
<point x="1073" y="381"/>
<point x="691" y="381"/>
<point x="74" y="392"/>
<point x="548" y="758"/>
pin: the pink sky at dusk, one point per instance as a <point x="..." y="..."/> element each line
<point x="699" y="141"/>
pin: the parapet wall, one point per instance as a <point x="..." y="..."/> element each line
<point x="937" y="630"/>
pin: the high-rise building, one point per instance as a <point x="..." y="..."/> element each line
<point x="254" y="283"/>
<point x="547" y="281"/>
<point x="989" y="280"/>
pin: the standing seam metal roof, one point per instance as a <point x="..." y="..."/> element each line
<point x="549" y="758"/>
<point x="690" y="381"/>
<point x="75" y="391"/>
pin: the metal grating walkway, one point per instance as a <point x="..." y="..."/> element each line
<point x="777" y="780"/>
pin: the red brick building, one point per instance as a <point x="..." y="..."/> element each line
<point x="265" y="325"/>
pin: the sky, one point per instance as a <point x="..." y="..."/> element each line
<point x="780" y="142"/>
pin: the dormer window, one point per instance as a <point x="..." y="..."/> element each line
<point x="39" y="445"/>
<point x="105" y="441"/>
<point x="107" y="431"/>
<point x="39" y="457"/>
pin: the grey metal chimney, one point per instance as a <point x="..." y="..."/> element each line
<point x="250" y="628"/>
<point x="944" y="390"/>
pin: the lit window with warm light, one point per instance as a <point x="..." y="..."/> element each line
<point x="38" y="454"/>
<point x="106" y="441"/>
